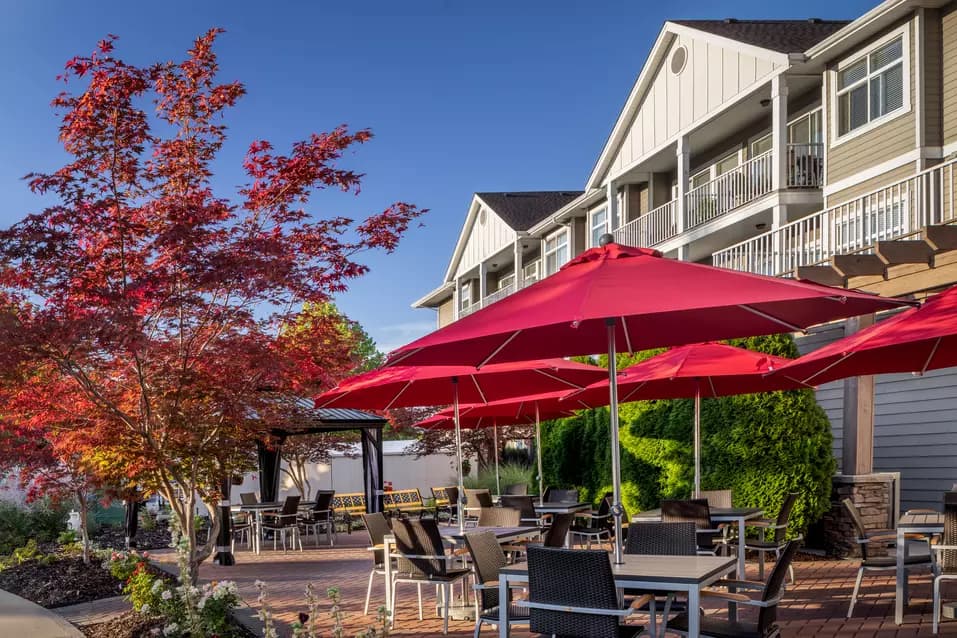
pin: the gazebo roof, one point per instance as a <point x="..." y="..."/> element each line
<point x="312" y="420"/>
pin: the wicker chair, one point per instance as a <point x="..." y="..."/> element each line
<point x="475" y="500"/>
<point x="377" y="526"/>
<point x="696" y="511"/>
<point x="319" y="518"/>
<point x="284" y="521"/>
<point x="499" y="517"/>
<point x="525" y="505"/>
<point x="716" y="498"/>
<point x="248" y="498"/>
<point x="599" y="525"/>
<point x="516" y="489"/>
<point x="780" y="527"/>
<point x="487" y="560"/>
<point x="945" y="554"/>
<point x="557" y="533"/>
<point x="446" y="500"/>
<point x="662" y="539"/>
<point x="553" y="495"/>
<point x="572" y="592"/>
<point x="422" y="560"/>
<point x="882" y="562"/>
<point x="765" y="625"/>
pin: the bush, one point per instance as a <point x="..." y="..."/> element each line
<point x="760" y="446"/>
<point x="509" y="474"/>
<point x="41" y="522"/>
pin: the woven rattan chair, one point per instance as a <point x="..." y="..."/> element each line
<point x="447" y="501"/>
<point x="319" y="518"/>
<point x="475" y="500"/>
<point x="557" y="533"/>
<point x="499" y="517"/>
<point x="775" y="544"/>
<point x="716" y="498"/>
<point x="516" y="489"/>
<point x="598" y="527"/>
<point x="554" y="495"/>
<point x="877" y="561"/>
<point x="248" y="498"/>
<point x="945" y="554"/>
<point x="571" y="592"/>
<point x="283" y="522"/>
<point x="765" y="624"/>
<point x="661" y="539"/>
<point x="487" y="560"/>
<point x="377" y="526"/>
<point x="422" y="560"/>
<point x="696" y="511"/>
<point x="525" y="505"/>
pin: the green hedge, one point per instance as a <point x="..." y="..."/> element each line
<point x="760" y="446"/>
<point x="41" y="521"/>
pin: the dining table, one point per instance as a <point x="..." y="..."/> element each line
<point x="257" y="509"/>
<point x="922" y="523"/>
<point x="688" y="574"/>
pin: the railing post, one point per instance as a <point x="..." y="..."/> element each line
<point x="519" y="266"/>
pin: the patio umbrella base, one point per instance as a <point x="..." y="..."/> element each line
<point x="949" y="610"/>
<point x="457" y="611"/>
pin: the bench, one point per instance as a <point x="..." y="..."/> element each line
<point x="346" y="506"/>
<point x="404" y="502"/>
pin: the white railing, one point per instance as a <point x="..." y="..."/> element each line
<point x="805" y="165"/>
<point x="735" y="188"/>
<point x="895" y="211"/>
<point x="653" y="228"/>
<point x="501" y="293"/>
<point x="469" y="309"/>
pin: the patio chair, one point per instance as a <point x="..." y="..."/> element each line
<point x="499" y="517"/>
<point x="716" y="498"/>
<point x="377" y="526"/>
<point x="571" y="592"/>
<point x="945" y="554"/>
<point x="284" y="521"/>
<point x="319" y="518"/>
<point x="780" y="527"/>
<point x="242" y="526"/>
<point x="525" y="505"/>
<point x="599" y="526"/>
<point x="248" y="498"/>
<point x="770" y="594"/>
<point x="662" y="539"/>
<point x="488" y="559"/>
<point x="422" y="560"/>
<point x="555" y="536"/>
<point x="878" y="562"/>
<point x="475" y="500"/>
<point x="516" y="489"/>
<point x="446" y="500"/>
<point x="554" y="495"/>
<point x="710" y="536"/>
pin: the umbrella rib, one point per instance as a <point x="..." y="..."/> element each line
<point x="633" y="392"/>
<point x="402" y="357"/>
<point x="624" y="329"/>
<point x="765" y="315"/>
<point x="555" y="377"/>
<point x="398" y="394"/>
<point x="826" y="368"/>
<point x="500" y="348"/>
<point x="714" y="392"/>
<point x="478" y="388"/>
<point x="930" y="357"/>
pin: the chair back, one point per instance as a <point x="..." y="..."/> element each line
<point x="440" y="495"/>
<point x="290" y="506"/>
<point x="324" y="500"/>
<point x="487" y="560"/>
<point x="858" y="522"/>
<point x="419" y="537"/>
<point x="377" y="526"/>
<point x="784" y="515"/>
<point x="947" y="560"/>
<point x="579" y="578"/>
<point x="524" y="504"/>
<point x="774" y="587"/>
<point x="555" y="535"/>
<point x="248" y="498"/>
<point x="665" y="539"/>
<point x="499" y="517"/>
<point x="516" y="489"/>
<point x="478" y="498"/>
<point x="717" y="498"/>
<point x="694" y="511"/>
<point x="452" y="493"/>
<point x="553" y="495"/>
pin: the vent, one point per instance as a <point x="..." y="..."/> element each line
<point x="679" y="59"/>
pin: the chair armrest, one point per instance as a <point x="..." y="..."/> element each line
<point x="424" y="556"/>
<point x="740" y="599"/>
<point x="620" y="613"/>
<point x="943" y="548"/>
<point x="641" y="601"/>
<point x="740" y="584"/>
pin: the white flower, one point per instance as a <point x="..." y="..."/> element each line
<point x="145" y="609"/>
<point x="259" y="583"/>
<point x="166" y="595"/>
<point x="157" y="585"/>
<point x="171" y="629"/>
<point x="201" y="603"/>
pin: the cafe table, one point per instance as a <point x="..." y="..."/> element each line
<point x="911" y="523"/>
<point x="257" y="509"/>
<point x="688" y="574"/>
<point x="739" y="515"/>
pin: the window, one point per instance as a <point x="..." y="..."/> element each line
<point x="806" y="129"/>
<point x="465" y="295"/>
<point x="761" y="146"/>
<point x="506" y="281"/>
<point x="556" y="251"/>
<point x="726" y="165"/>
<point x="598" y="225"/>
<point x="530" y="272"/>
<point x="871" y="86"/>
<point x="700" y="179"/>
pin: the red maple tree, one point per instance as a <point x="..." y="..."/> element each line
<point x="160" y="303"/>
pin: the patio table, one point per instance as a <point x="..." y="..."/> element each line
<point x="503" y="534"/>
<point x="257" y="510"/>
<point x="739" y="515"/>
<point x="561" y="508"/>
<point x="661" y="573"/>
<point x="910" y="524"/>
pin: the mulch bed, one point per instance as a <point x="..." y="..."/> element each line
<point x="65" y="581"/>
<point x="134" y="625"/>
<point x="115" y="538"/>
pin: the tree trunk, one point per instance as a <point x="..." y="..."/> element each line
<point x="84" y="534"/>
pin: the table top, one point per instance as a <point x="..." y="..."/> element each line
<point x="501" y="533"/>
<point x="921" y="521"/>
<point x="719" y="514"/>
<point x="560" y="507"/>
<point x="277" y="505"/>
<point x="685" y="570"/>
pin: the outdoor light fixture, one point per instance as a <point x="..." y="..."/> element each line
<point x="766" y="102"/>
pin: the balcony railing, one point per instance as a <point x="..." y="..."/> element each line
<point x="651" y="229"/>
<point x="805" y="165"/>
<point x="896" y="211"/>
<point x="501" y="293"/>
<point x="726" y="192"/>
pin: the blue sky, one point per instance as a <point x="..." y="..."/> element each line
<point x="462" y="97"/>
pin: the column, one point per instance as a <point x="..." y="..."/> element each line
<point x="779" y="132"/>
<point x="519" y="273"/>
<point x="611" y="194"/>
<point x="684" y="168"/>
<point x="269" y="462"/>
<point x="456" y="298"/>
<point x="857" y="449"/>
<point x="483" y="281"/>
<point x="371" y="442"/>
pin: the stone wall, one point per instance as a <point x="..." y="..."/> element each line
<point x="875" y="497"/>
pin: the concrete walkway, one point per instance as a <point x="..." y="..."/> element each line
<point x="95" y="611"/>
<point x="19" y="617"/>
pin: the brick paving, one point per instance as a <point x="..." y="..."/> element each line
<point x="816" y="605"/>
<point x="95" y="611"/>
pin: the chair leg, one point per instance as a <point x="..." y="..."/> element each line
<point x="369" y="592"/>
<point x="857" y="588"/>
<point x="653" y="616"/>
<point x="447" y="595"/>
<point x="760" y="565"/>
<point x="418" y="589"/>
<point x="937" y="604"/>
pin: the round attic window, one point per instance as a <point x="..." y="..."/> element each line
<point x="678" y="60"/>
<point x="482" y="216"/>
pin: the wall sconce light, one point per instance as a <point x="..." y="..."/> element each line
<point x="765" y="102"/>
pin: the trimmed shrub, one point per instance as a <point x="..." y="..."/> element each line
<point x="41" y="522"/>
<point x="509" y="473"/>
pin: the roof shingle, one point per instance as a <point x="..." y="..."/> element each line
<point x="522" y="210"/>
<point x="784" y="36"/>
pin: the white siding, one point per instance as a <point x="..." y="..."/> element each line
<point x="484" y="240"/>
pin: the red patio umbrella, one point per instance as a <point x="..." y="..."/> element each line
<point x="406" y="386"/>
<point x="696" y="370"/>
<point x="615" y="298"/>
<point x="917" y="340"/>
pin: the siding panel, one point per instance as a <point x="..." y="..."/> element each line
<point x="949" y="72"/>
<point x="931" y="73"/>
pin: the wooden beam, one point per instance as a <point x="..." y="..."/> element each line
<point x="820" y="275"/>
<point x="857" y="447"/>
<point x="903" y="252"/>
<point x="858" y="265"/>
<point x="940" y="238"/>
<point x="907" y="279"/>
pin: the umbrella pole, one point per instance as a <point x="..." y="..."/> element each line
<point x="697" y="442"/>
<point x="498" y="484"/>
<point x="458" y="455"/>
<point x="538" y="453"/>
<point x="616" y="509"/>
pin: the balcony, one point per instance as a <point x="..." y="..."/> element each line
<point x="858" y="237"/>
<point x="531" y="276"/>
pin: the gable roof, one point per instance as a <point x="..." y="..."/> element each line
<point x="522" y="210"/>
<point x="783" y="36"/>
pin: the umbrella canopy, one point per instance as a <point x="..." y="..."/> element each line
<point x="693" y="371"/>
<point x="617" y="298"/>
<point x="917" y="340"/>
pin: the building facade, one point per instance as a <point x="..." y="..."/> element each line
<point x="818" y="149"/>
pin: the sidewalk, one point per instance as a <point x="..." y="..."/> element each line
<point x="19" y="617"/>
